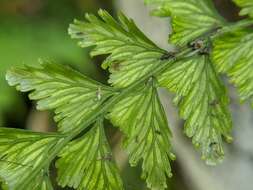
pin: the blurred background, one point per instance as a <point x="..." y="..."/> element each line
<point x="33" y="29"/>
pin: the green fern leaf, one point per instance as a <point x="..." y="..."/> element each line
<point x="142" y="119"/>
<point x="247" y="6"/>
<point x="86" y="163"/>
<point x="21" y="156"/>
<point x="131" y="54"/>
<point x="190" y="18"/>
<point x="233" y="55"/>
<point x="60" y="88"/>
<point x="162" y="7"/>
<point x="45" y="185"/>
<point x="203" y="101"/>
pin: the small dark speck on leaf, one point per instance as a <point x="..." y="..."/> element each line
<point x="79" y="33"/>
<point x="158" y="132"/>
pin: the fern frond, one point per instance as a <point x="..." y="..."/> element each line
<point x="138" y="68"/>
<point x="247" y="7"/>
<point x="87" y="163"/>
<point x="21" y="156"/>
<point x="190" y="18"/>
<point x="73" y="96"/>
<point x="233" y="55"/>
<point x="131" y="54"/>
<point x="142" y="119"/>
<point x="203" y="103"/>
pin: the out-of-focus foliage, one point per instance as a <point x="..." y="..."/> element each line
<point x="32" y="29"/>
<point x="247" y="7"/>
<point x="26" y="44"/>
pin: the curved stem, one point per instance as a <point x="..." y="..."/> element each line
<point x="231" y="27"/>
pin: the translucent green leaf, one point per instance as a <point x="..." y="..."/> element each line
<point x="247" y="6"/>
<point x="45" y="185"/>
<point x="131" y="54"/>
<point x="87" y="163"/>
<point x="190" y="18"/>
<point x="233" y="55"/>
<point x="203" y="103"/>
<point x="142" y="119"/>
<point x="162" y="7"/>
<point x="21" y="156"/>
<point x="73" y="96"/>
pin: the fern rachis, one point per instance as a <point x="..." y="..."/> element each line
<point x="207" y="46"/>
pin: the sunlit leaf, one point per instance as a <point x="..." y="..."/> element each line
<point x="131" y="54"/>
<point x="190" y="18"/>
<point x="203" y="103"/>
<point x="73" y="96"/>
<point x="142" y="119"/>
<point x="87" y="163"/>
<point x="233" y="55"/>
<point x="21" y="156"/>
<point x="247" y="7"/>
